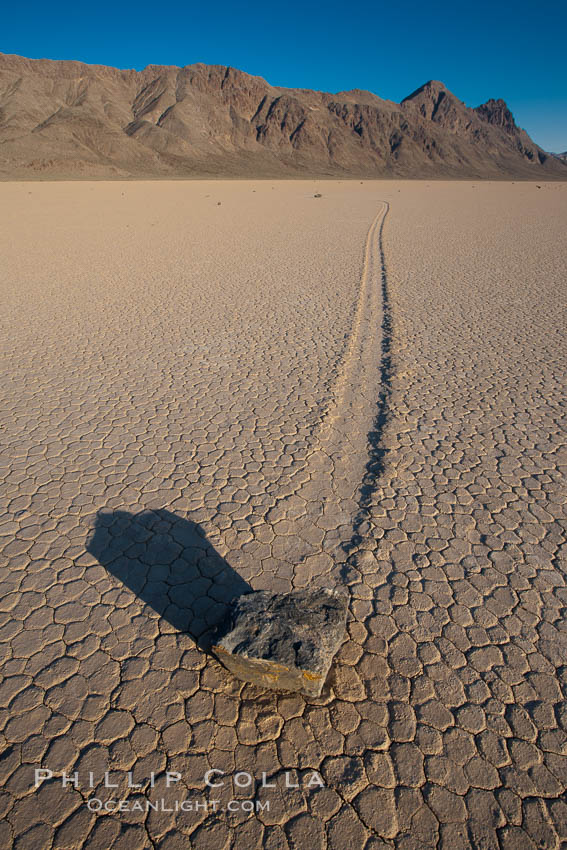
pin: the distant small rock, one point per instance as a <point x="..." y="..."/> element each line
<point x="283" y="641"/>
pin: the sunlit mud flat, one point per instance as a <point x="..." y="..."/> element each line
<point x="216" y="386"/>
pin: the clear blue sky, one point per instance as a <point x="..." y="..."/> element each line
<point x="478" y="49"/>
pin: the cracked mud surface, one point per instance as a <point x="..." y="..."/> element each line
<point x="361" y="390"/>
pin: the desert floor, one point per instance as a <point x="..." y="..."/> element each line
<point x="210" y="386"/>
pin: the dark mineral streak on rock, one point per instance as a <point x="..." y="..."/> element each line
<point x="283" y="641"/>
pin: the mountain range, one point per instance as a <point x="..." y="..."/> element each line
<point x="69" y="120"/>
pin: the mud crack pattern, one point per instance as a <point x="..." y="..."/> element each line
<point x="170" y="442"/>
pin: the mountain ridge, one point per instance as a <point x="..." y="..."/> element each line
<point x="63" y="118"/>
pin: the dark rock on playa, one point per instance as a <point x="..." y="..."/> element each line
<point x="283" y="641"/>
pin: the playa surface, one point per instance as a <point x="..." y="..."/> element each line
<point x="212" y="386"/>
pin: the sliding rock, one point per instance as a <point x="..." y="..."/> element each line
<point x="283" y="641"/>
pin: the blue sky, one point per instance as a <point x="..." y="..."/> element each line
<point x="479" y="50"/>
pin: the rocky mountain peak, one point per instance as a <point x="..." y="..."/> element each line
<point x="496" y="112"/>
<point x="436" y="103"/>
<point x="71" y="119"/>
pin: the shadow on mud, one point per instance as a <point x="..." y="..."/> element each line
<point x="170" y="565"/>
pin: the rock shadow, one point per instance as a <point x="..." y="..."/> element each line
<point x="170" y="565"/>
